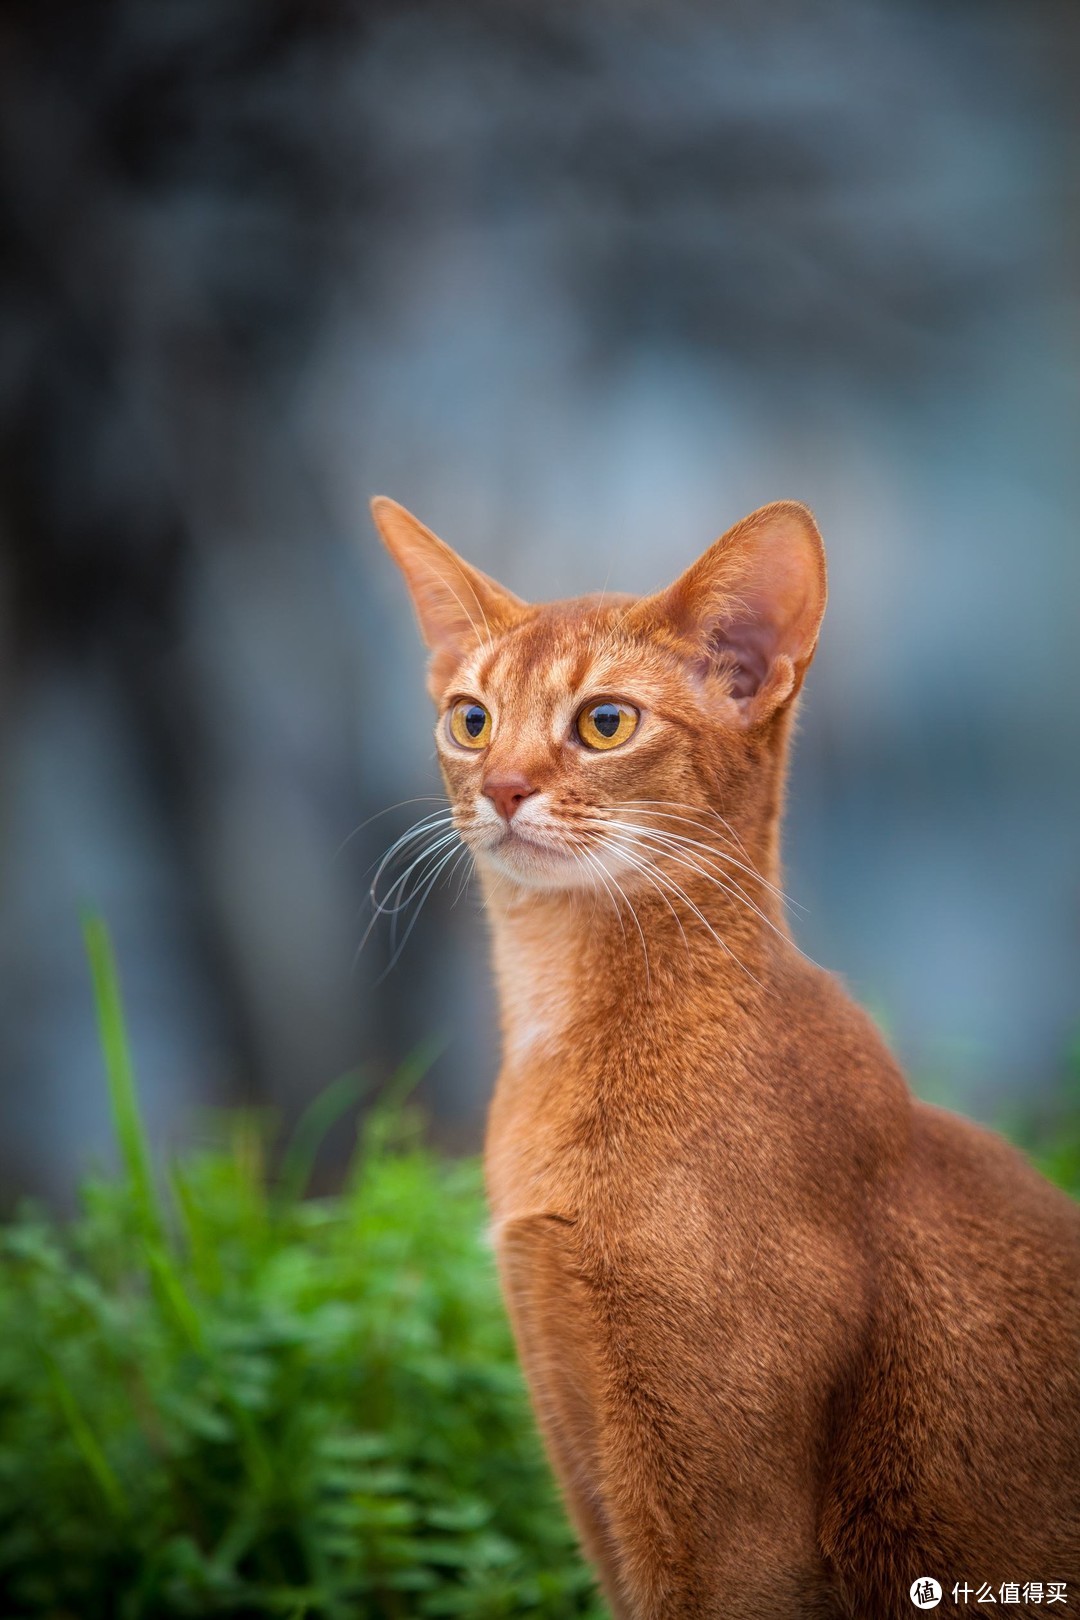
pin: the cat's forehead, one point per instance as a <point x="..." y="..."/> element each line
<point x="563" y="646"/>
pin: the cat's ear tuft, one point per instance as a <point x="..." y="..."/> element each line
<point x="456" y="605"/>
<point x="751" y="606"/>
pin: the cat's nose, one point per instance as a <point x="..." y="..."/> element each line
<point x="508" y="794"/>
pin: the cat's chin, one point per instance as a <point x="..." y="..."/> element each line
<point x="533" y="864"/>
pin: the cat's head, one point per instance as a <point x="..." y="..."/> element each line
<point x="580" y="740"/>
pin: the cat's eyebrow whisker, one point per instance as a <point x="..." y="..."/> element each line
<point x="596" y="616"/>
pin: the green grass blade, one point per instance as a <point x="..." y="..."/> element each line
<point x="87" y="1443"/>
<point x="317" y="1119"/>
<point x="123" y="1095"/>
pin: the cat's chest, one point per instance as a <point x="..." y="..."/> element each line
<point x="576" y="1144"/>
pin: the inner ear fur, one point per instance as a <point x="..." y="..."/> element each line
<point x="750" y="608"/>
<point x="456" y="605"/>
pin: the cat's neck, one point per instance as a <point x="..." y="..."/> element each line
<point x="704" y="921"/>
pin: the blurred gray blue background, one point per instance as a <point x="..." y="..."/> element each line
<point x="580" y="285"/>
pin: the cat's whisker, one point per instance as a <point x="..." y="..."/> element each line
<point x="714" y="854"/>
<point x="597" y="864"/>
<point x="443" y="836"/>
<point x="397" y="852"/>
<point x="430" y="856"/>
<point x="428" y="827"/>
<point x="383" y="906"/>
<point x="419" y="798"/>
<point x="728" y="887"/>
<point x="690" y="843"/>
<point x="710" y="848"/>
<point x="381" y="909"/>
<point x="719" y="854"/>
<point x="583" y="856"/>
<point x="470" y="867"/>
<point x="686" y="848"/>
<point x="426" y="824"/>
<point x="430" y="884"/>
<point x="649" y="868"/>
<point x="725" y="884"/>
<point x="707" y="842"/>
<point x="683" y="852"/>
<point x="644" y="870"/>
<point x="671" y="805"/>
<point x="672" y="810"/>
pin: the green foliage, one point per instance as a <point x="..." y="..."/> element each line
<point x="218" y="1397"/>
<point x="1054" y="1140"/>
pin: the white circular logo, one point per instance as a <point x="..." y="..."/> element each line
<point x="925" y="1592"/>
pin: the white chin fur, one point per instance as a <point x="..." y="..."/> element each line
<point x="536" y="868"/>
<point x="531" y="853"/>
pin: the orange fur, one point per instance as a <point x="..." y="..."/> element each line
<point x="793" y="1338"/>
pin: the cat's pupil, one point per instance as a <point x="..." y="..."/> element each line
<point x="474" y="720"/>
<point x="606" y="719"/>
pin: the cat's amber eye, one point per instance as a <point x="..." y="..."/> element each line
<point x="607" y="724"/>
<point x="470" y="724"/>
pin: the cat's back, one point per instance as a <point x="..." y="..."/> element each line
<point x="962" y="1406"/>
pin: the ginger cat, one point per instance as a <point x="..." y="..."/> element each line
<point x="794" y="1339"/>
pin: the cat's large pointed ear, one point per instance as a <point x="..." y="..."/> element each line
<point x="751" y="606"/>
<point x="456" y="604"/>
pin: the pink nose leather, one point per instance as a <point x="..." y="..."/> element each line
<point x="508" y="794"/>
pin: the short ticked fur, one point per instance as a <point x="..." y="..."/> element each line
<point x="793" y="1338"/>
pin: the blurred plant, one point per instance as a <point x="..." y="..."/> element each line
<point x="1052" y="1135"/>
<point x="218" y="1396"/>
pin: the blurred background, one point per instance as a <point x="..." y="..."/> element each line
<point x="580" y="284"/>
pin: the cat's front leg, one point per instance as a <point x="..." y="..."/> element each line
<point x="555" y="1340"/>
<point x="673" y="1531"/>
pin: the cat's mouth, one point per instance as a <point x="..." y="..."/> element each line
<point x="532" y="856"/>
